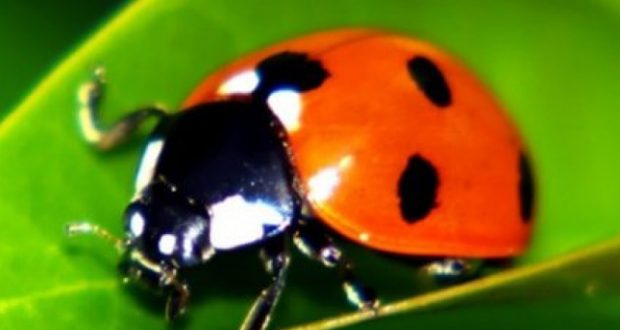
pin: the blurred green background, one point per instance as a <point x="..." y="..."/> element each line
<point x="36" y="34"/>
<point x="554" y="64"/>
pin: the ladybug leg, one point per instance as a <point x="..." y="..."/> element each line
<point x="312" y="241"/>
<point x="89" y="97"/>
<point x="276" y="260"/>
<point x="178" y="298"/>
<point x="452" y="270"/>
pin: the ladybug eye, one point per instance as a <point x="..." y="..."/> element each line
<point x="136" y="217"/>
<point x="136" y="224"/>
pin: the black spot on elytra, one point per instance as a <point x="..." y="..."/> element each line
<point x="289" y="70"/>
<point x="526" y="188"/>
<point x="417" y="189"/>
<point x="430" y="80"/>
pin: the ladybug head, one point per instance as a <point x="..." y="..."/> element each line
<point x="165" y="231"/>
<point x="168" y="228"/>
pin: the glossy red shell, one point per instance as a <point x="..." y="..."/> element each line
<point x="362" y="125"/>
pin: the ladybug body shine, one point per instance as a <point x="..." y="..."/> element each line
<point x="385" y="140"/>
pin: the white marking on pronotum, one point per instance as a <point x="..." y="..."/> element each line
<point x="236" y="222"/>
<point x="286" y="104"/>
<point x="244" y="82"/>
<point x="147" y="164"/>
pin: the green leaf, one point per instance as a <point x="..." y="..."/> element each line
<point x="35" y="35"/>
<point x="588" y="273"/>
<point x="553" y="64"/>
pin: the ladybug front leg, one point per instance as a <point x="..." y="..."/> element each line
<point x="178" y="297"/>
<point x="276" y="260"/>
<point x="311" y="240"/>
<point x="89" y="97"/>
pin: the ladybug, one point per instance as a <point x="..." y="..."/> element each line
<point x="382" y="139"/>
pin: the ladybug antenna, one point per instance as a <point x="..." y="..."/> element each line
<point x="87" y="228"/>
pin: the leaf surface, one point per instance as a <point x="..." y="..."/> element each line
<point x="554" y="65"/>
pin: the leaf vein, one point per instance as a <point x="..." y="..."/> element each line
<point x="7" y="305"/>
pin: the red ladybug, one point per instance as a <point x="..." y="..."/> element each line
<point x="384" y="139"/>
<point x="399" y="147"/>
